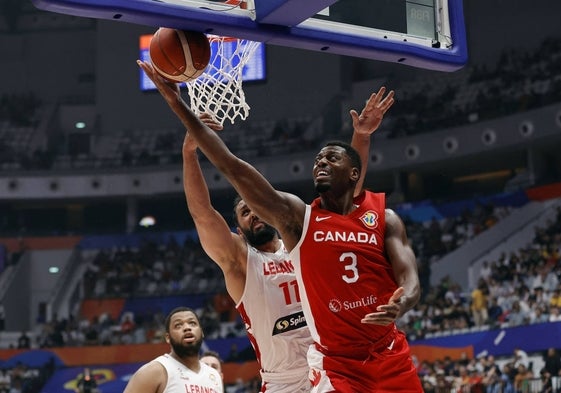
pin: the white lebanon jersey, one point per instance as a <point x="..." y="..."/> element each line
<point x="182" y="379"/>
<point x="271" y="309"/>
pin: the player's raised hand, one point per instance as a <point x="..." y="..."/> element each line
<point x="211" y="122"/>
<point x="169" y="90"/>
<point x="373" y="112"/>
<point x="189" y="143"/>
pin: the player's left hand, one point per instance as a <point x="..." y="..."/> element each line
<point x="373" y="112"/>
<point x="169" y="90"/>
<point x="388" y="313"/>
<point x="210" y="121"/>
<point x="189" y="143"/>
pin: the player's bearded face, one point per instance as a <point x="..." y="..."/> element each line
<point x="260" y="236"/>
<point x="186" y="349"/>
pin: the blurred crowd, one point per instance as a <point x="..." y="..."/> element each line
<point x="470" y="99"/>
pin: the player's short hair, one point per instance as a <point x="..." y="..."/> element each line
<point x="237" y="200"/>
<point x="351" y="153"/>
<point x="175" y="311"/>
<point x="212" y="353"/>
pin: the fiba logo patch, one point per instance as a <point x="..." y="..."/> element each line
<point x="335" y="305"/>
<point x="370" y="219"/>
<point x="290" y="322"/>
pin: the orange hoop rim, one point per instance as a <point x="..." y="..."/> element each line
<point x="219" y="38"/>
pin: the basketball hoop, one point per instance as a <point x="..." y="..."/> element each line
<point x="218" y="91"/>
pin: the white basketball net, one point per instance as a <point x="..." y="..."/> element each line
<point x="218" y="90"/>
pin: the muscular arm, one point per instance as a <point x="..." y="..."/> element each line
<point x="150" y="378"/>
<point x="283" y="211"/>
<point x="365" y="124"/>
<point x="225" y="248"/>
<point x="404" y="265"/>
<point x="403" y="261"/>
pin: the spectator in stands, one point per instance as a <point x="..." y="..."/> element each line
<point x="555" y="300"/>
<point x="552" y="362"/>
<point x="495" y="311"/>
<point x="522" y="378"/>
<point x="547" y="384"/>
<point x="485" y="272"/>
<point x="554" y="314"/>
<point x="491" y="375"/>
<point x="517" y="316"/>
<point x="461" y="380"/>
<point x="5" y="380"/>
<point x="87" y="382"/>
<point x="127" y="324"/>
<point x="546" y="279"/>
<point x="507" y="379"/>
<point x="24" y="342"/>
<point x="539" y="314"/>
<point x="520" y="358"/>
<point x="475" y="380"/>
<point x="181" y="369"/>
<point x="479" y="304"/>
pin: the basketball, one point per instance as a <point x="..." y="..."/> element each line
<point x="179" y="55"/>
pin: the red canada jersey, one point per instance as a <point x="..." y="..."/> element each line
<point x="343" y="273"/>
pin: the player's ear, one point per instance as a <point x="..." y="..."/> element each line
<point x="355" y="174"/>
<point x="239" y="232"/>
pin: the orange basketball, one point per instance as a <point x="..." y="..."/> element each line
<point x="179" y="55"/>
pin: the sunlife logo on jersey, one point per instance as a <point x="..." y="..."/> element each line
<point x="290" y="322"/>
<point x="336" y="305"/>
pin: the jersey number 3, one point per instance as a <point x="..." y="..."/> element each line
<point x="349" y="259"/>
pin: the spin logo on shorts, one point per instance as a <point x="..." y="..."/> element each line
<point x="290" y="322"/>
<point x="370" y="219"/>
<point x="335" y="305"/>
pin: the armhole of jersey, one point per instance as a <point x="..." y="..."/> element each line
<point x="305" y="226"/>
<point x="160" y="360"/>
<point x="249" y="270"/>
<point x="384" y="207"/>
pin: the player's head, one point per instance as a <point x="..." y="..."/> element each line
<point x="255" y="231"/>
<point x="338" y="165"/>
<point x="184" y="332"/>
<point x="212" y="359"/>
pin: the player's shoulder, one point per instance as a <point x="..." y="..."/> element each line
<point x="153" y="367"/>
<point x="148" y="377"/>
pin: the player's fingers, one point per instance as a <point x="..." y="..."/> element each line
<point x="387" y="105"/>
<point x="398" y="293"/>
<point x="354" y="115"/>
<point x="377" y="319"/>
<point x="388" y="100"/>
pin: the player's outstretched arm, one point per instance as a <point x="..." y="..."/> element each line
<point x="365" y="124"/>
<point x="223" y="246"/>
<point x="284" y="211"/>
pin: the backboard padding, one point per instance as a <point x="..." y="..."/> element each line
<point x="314" y="33"/>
